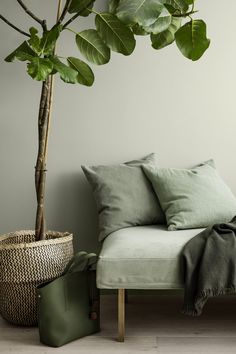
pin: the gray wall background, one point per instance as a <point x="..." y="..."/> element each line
<point x="152" y="101"/>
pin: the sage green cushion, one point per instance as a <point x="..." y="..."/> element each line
<point x="143" y="257"/>
<point x="192" y="198"/>
<point x="124" y="196"/>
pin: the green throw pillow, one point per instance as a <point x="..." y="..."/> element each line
<point x="192" y="198"/>
<point x="124" y="195"/>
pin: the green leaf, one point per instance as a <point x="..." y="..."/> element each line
<point x="115" y="34"/>
<point x="172" y="10"/>
<point x="177" y="4"/>
<point x="35" y="41"/>
<point x="112" y="6"/>
<point x="46" y="44"/>
<point x="191" y="39"/>
<point x="33" y="31"/>
<point x="139" y="30"/>
<point x="87" y="11"/>
<point x="67" y="74"/>
<point x="85" y="75"/>
<point x="161" y="24"/>
<point x="49" y="39"/>
<point x="166" y="37"/>
<point x="22" y="53"/>
<point x="189" y="2"/>
<point x="81" y="6"/>
<point x="143" y="12"/>
<point x="39" y="68"/>
<point x="92" y="47"/>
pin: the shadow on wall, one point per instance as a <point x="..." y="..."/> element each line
<point x="73" y="209"/>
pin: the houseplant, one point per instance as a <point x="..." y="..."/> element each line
<point x="164" y="21"/>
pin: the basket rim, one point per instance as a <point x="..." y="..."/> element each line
<point x="60" y="237"/>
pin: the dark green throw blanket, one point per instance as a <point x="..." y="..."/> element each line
<point x="209" y="264"/>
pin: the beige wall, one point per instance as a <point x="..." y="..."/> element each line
<point x="151" y="101"/>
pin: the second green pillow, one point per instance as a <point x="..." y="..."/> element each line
<point x="193" y="198"/>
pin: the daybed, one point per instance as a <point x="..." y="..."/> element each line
<point x="142" y="257"/>
<point x="140" y="193"/>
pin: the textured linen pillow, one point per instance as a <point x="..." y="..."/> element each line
<point x="124" y="195"/>
<point x="192" y="198"/>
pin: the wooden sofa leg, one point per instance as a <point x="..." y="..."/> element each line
<point x="121" y="315"/>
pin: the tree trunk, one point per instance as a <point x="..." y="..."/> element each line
<point x="44" y="116"/>
<point x="40" y="168"/>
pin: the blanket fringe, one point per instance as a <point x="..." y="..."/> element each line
<point x="203" y="296"/>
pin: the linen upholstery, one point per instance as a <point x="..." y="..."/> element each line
<point x="124" y="196"/>
<point x="192" y="198"/>
<point x="142" y="257"/>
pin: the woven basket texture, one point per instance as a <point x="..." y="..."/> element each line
<point x="24" y="264"/>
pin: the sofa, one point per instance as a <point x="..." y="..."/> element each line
<point x="146" y="216"/>
<point x="141" y="257"/>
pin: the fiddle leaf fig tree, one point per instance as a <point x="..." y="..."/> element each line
<point x="164" y="21"/>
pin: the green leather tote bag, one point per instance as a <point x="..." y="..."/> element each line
<point x="69" y="305"/>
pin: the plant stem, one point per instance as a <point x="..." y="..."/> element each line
<point x="93" y="11"/>
<point x="64" y="11"/>
<point x="31" y="14"/>
<point x="71" y="20"/>
<point x="44" y="118"/>
<point x="13" y="26"/>
<point x="52" y="87"/>
<point x="40" y="169"/>
<point x="58" y="10"/>
<point x="75" y="16"/>
<point x="185" y="15"/>
<point x="71" y="30"/>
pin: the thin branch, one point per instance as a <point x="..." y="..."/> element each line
<point x="51" y="91"/>
<point x="13" y="26"/>
<point x="185" y="15"/>
<point x="59" y="10"/>
<point x="71" y="20"/>
<point x="31" y="14"/>
<point x="76" y="15"/>
<point x="64" y="11"/>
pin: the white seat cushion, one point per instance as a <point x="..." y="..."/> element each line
<point x="142" y="257"/>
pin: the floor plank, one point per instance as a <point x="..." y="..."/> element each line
<point x="154" y="324"/>
<point x="201" y="345"/>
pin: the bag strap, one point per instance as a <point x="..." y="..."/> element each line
<point x="80" y="264"/>
<point x="82" y="261"/>
<point x="77" y="258"/>
<point x="92" y="260"/>
<point x="94" y="302"/>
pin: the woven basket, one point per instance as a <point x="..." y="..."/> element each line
<point x="24" y="264"/>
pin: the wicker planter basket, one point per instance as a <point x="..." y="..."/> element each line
<point x="24" y="264"/>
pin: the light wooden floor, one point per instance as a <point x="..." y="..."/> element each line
<point x="154" y="324"/>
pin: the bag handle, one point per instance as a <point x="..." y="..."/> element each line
<point x="81" y="261"/>
<point x="85" y="264"/>
<point x="92" y="260"/>
<point x="77" y="258"/>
